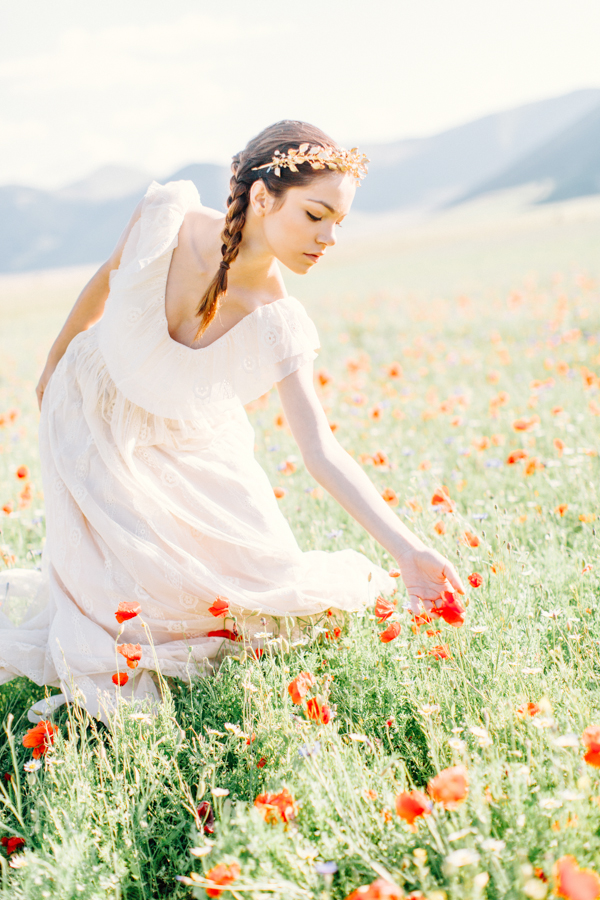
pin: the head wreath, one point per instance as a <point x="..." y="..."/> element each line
<point x="319" y="158"/>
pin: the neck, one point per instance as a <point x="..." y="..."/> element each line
<point x="255" y="268"/>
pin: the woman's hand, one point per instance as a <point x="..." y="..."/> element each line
<point x="427" y="574"/>
<point x="43" y="382"/>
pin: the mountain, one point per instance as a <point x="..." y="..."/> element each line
<point x="558" y="139"/>
<point x="434" y="171"/>
<point x="570" y="162"/>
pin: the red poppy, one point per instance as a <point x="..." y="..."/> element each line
<point x="390" y="633"/>
<point x="411" y="805"/>
<point x="516" y="456"/>
<point x="120" y="679"/>
<point x="394" y="370"/>
<point x="591" y="741"/>
<point x="220" y="607"/>
<point x="300" y="686"/>
<point x="475" y="580"/>
<point x="12" y="844"/>
<point x="127" y="610"/>
<point x="262" y="762"/>
<point x="380" y="459"/>
<point x="279" y="492"/>
<point x="574" y="883"/>
<point x="525" y="424"/>
<point x="323" y="377"/>
<point x="528" y="709"/>
<point x="22" y="472"/>
<point x="470" y="539"/>
<point x="384" y="608"/>
<point x="132" y="653"/>
<point x="442" y="651"/>
<point x="226" y="633"/>
<point x="206" y="817"/>
<point x="378" y="890"/>
<point x="318" y="710"/>
<point x="221" y="875"/>
<point x="333" y="635"/>
<point x="275" y="808"/>
<point x="440" y="527"/>
<point x="8" y="507"/>
<point x="450" y="787"/>
<point x="450" y="609"/>
<point x="390" y="497"/>
<point x="40" y="738"/>
<point x="441" y="499"/>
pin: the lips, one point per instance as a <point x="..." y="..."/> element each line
<point x="314" y="256"/>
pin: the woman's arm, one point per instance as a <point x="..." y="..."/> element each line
<point x="425" y="572"/>
<point x="88" y="307"/>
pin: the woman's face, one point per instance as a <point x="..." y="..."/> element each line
<point x="300" y="230"/>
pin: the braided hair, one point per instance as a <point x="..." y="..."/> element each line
<point x="260" y="150"/>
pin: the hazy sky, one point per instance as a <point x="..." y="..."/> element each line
<point x="159" y="84"/>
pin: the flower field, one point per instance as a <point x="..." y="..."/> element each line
<point x="380" y="755"/>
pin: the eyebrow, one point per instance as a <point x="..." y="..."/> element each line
<point x="326" y="205"/>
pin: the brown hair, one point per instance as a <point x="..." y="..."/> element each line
<point x="260" y="150"/>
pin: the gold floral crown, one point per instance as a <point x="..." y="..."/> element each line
<point x="319" y="158"/>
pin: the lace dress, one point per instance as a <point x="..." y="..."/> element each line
<point x="153" y="493"/>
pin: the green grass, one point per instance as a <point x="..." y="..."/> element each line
<point x="111" y="813"/>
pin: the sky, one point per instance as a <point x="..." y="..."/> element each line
<point x="157" y="85"/>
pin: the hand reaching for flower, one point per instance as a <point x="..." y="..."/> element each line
<point x="427" y="574"/>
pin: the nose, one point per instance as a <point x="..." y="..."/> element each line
<point x="328" y="236"/>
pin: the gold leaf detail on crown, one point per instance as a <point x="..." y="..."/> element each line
<point x="319" y="158"/>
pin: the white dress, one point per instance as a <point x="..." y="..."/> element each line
<point x="153" y="493"/>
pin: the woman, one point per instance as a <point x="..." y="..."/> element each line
<point x="152" y="491"/>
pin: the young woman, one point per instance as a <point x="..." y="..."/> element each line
<point x="153" y="495"/>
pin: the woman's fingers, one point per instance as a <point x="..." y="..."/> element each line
<point x="453" y="577"/>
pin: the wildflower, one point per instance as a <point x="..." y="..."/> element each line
<point x="411" y="805"/>
<point x="132" y="653"/>
<point x="475" y="580"/>
<point x="394" y="370"/>
<point x="22" y="472"/>
<point x="40" y="738"/>
<point x="279" y="492"/>
<point x="262" y="762"/>
<point x="516" y="456"/>
<point x="323" y="377"/>
<point x="120" y="679"/>
<point x="318" y="710"/>
<point x="378" y="890"/>
<point x="333" y="635"/>
<point x="206" y="817"/>
<point x="32" y="766"/>
<point x="390" y="633"/>
<point x="559" y="446"/>
<point x="380" y="459"/>
<point x="451" y="609"/>
<point x="384" y="608"/>
<point x="276" y="808"/>
<point x="441" y="500"/>
<point x="300" y="686"/>
<point x="525" y="424"/>
<point x="127" y="610"/>
<point x="470" y="539"/>
<point x="442" y="651"/>
<point x="533" y="465"/>
<point x="226" y="633"/>
<point x="591" y="741"/>
<point x="307" y="750"/>
<point x="390" y="497"/>
<point x="221" y="875"/>
<point x="12" y="844"/>
<point x="220" y="607"/>
<point x="450" y="787"/>
<point x="561" y="509"/>
<point x="287" y="467"/>
<point x="574" y="883"/>
<point x="8" y="507"/>
<point x="528" y="709"/>
<point x="464" y="857"/>
<point x="440" y="528"/>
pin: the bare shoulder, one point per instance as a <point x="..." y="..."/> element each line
<point x="200" y="237"/>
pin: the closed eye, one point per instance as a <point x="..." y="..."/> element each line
<point x="312" y="218"/>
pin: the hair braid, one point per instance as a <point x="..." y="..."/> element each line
<point x="235" y="219"/>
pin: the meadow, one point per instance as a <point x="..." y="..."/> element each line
<point x="455" y="758"/>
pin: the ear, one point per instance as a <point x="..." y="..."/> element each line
<point x="261" y="200"/>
